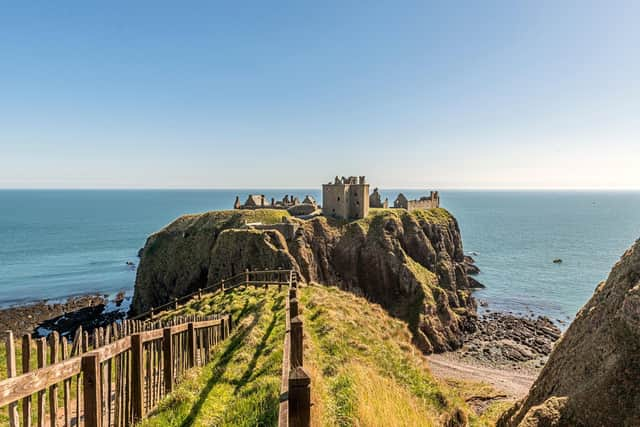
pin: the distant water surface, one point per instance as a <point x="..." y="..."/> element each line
<point x="55" y="243"/>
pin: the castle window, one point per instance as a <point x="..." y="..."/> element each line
<point x="338" y="198"/>
<point x="356" y="194"/>
<point x="357" y="203"/>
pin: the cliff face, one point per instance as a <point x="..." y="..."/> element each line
<point x="410" y="263"/>
<point x="592" y="377"/>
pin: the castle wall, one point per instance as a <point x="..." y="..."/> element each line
<point x="422" y="204"/>
<point x="358" y="200"/>
<point x="346" y="198"/>
<point x="335" y="200"/>
<point x="430" y="202"/>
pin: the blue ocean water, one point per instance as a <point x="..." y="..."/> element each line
<point x="56" y="243"/>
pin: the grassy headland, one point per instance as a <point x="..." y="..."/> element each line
<point x="364" y="369"/>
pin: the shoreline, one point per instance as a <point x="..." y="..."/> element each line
<point x="39" y="318"/>
<point x="510" y="383"/>
<point x="506" y="351"/>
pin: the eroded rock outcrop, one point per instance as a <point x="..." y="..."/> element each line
<point x="592" y="377"/>
<point x="411" y="263"/>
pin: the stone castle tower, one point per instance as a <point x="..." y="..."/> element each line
<point x="346" y="198"/>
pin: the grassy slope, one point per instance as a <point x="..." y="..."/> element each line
<point x="241" y="386"/>
<point x="366" y="372"/>
<point x="364" y="369"/>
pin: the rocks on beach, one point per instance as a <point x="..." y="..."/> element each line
<point x="42" y="317"/>
<point x="505" y="339"/>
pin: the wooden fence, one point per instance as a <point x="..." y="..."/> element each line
<point x="110" y="379"/>
<point x="255" y="278"/>
<point x="118" y="374"/>
<point x="295" y="388"/>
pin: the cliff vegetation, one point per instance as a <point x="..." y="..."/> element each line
<point x="411" y="263"/>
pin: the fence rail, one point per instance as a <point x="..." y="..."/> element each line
<point x="295" y="388"/>
<point x="112" y="379"/>
<point x="277" y="277"/>
<point x="118" y="374"/>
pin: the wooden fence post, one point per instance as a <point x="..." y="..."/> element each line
<point x="222" y="329"/>
<point x="42" y="362"/>
<point x="14" y="420"/>
<point x="191" y="343"/>
<point x="54" y="343"/>
<point x="91" y="392"/>
<point x="296" y="342"/>
<point x="293" y="307"/>
<point x="26" y="367"/>
<point x="137" y="377"/>
<point x="299" y="397"/>
<point x="246" y="276"/>
<point x="167" y="355"/>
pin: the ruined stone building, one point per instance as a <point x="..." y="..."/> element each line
<point x="258" y="201"/>
<point x="310" y="201"/>
<point x="426" y="202"/>
<point x="375" y="200"/>
<point x="346" y="198"/>
<point x="254" y="201"/>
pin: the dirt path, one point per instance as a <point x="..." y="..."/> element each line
<point x="514" y="383"/>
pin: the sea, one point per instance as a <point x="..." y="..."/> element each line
<point x="60" y="243"/>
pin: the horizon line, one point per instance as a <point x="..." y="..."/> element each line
<point x="316" y="188"/>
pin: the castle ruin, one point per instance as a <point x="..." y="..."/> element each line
<point x="375" y="200"/>
<point x="258" y="201"/>
<point x="425" y="202"/>
<point x="346" y="198"/>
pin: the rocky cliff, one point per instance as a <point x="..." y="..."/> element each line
<point x="410" y="263"/>
<point x="592" y="377"/>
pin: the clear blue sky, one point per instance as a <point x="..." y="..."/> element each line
<point x="513" y="94"/>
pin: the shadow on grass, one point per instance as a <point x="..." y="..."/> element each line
<point x="246" y="376"/>
<point x="218" y="370"/>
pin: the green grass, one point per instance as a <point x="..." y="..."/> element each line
<point x="364" y="369"/>
<point x="438" y="216"/>
<point x="241" y="385"/>
<point x="377" y="216"/>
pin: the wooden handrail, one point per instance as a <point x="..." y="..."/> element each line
<point x="123" y="371"/>
<point x="15" y="388"/>
<point x="217" y="287"/>
<point x="295" y="387"/>
<point x="123" y="352"/>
